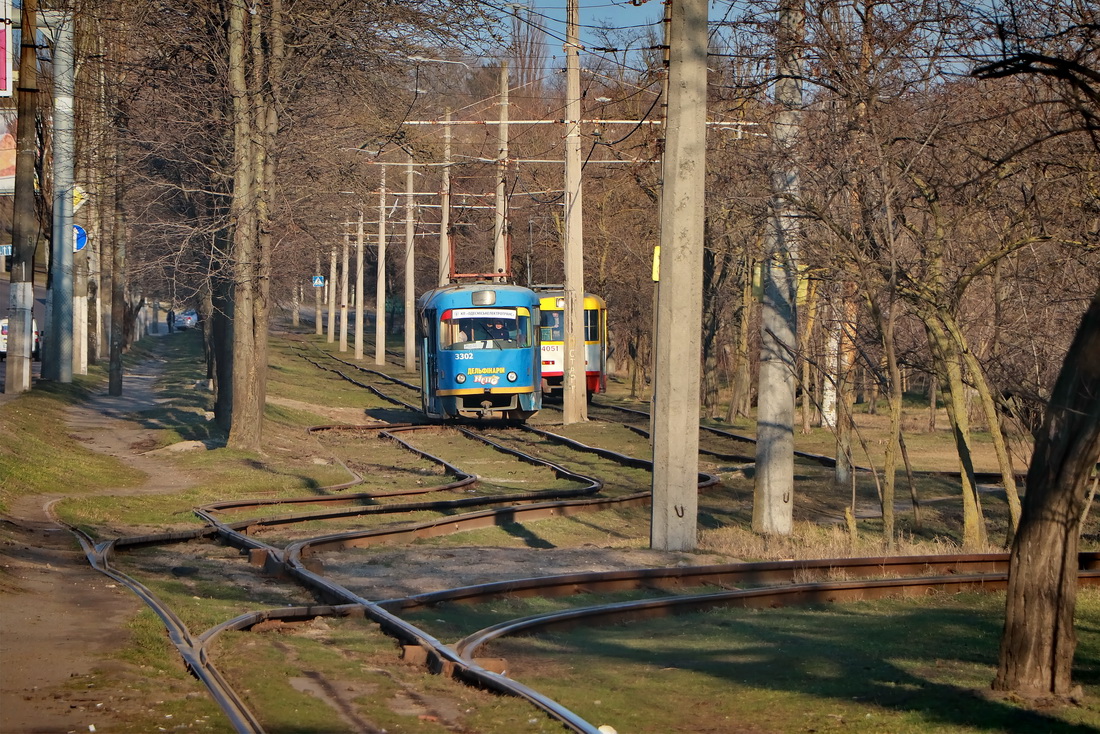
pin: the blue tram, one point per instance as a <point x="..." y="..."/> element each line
<point x="479" y="352"/>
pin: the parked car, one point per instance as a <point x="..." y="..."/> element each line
<point x="187" y="320"/>
<point x="36" y="351"/>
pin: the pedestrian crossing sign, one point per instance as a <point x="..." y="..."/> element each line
<point x="318" y="281"/>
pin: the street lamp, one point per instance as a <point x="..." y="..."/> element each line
<point x="419" y="59"/>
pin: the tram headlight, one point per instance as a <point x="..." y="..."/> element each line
<point x="512" y="377"/>
<point x="460" y="378"/>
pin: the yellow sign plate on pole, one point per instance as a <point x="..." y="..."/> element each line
<point x="79" y="197"/>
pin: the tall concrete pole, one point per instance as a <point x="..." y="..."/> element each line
<point x="410" y="273"/>
<point x="666" y="22"/>
<point x="574" y="393"/>
<point x="679" y="291"/>
<point x="380" y="284"/>
<point x="500" y="221"/>
<point x="359" y="307"/>
<point x="332" y="296"/>
<point x="118" y="283"/>
<point x="25" y="224"/>
<point x="80" y="311"/>
<point x="773" y="495"/>
<point x="445" y="206"/>
<point x="317" y="297"/>
<point x="344" y="291"/>
<point x="57" y="362"/>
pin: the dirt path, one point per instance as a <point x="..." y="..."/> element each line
<point x="61" y="620"/>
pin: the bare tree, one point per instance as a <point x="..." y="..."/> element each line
<point x="1059" y="43"/>
<point x="1039" y="638"/>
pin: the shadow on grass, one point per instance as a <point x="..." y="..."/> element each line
<point x="841" y="655"/>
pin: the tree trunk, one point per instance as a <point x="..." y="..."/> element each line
<point x="1039" y="639"/>
<point x="808" y="392"/>
<point x="843" y="471"/>
<point x="893" y="445"/>
<point x="245" y="430"/>
<point x="933" y="400"/>
<point x="741" y="396"/>
<point x="25" y="224"/>
<point x="949" y="361"/>
<point x="1004" y="459"/>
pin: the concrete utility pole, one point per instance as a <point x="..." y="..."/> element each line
<point x="344" y="263"/>
<point x="80" y="311"/>
<point x="680" y="292"/>
<point x="500" y="222"/>
<point x="359" y="286"/>
<point x="380" y="284"/>
<point x="574" y="397"/>
<point x="57" y="361"/>
<point x="773" y="495"/>
<point x="118" y="280"/>
<point x="410" y="274"/>
<point x="317" y="297"/>
<point x="332" y="296"/>
<point x="25" y="224"/>
<point x="445" y="206"/>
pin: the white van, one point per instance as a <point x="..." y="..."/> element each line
<point x="36" y="353"/>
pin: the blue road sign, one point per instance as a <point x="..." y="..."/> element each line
<point x="5" y="250"/>
<point x="80" y="238"/>
<point x="318" y="281"/>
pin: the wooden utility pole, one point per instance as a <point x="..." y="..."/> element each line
<point x="500" y="221"/>
<point x="679" y="290"/>
<point x="773" y="496"/>
<point x="25" y="224"/>
<point x="574" y="397"/>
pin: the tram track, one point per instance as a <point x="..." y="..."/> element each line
<point x="303" y="559"/>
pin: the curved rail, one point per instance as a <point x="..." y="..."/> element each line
<point x="765" y="597"/>
<point x="191" y="650"/>
<point x="298" y="561"/>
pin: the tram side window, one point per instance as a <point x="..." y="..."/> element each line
<point x="451" y="335"/>
<point x="552" y="327"/>
<point x="591" y="325"/>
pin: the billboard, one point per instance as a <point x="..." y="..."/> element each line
<point x="9" y="121"/>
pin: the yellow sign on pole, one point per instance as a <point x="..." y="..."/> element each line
<point x="79" y="197"/>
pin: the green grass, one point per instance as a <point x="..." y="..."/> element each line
<point x="155" y="674"/>
<point x="897" y="665"/>
<point x="352" y="660"/>
<point x="37" y="454"/>
<point x="853" y="668"/>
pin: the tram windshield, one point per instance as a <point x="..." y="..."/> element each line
<point x="485" y="328"/>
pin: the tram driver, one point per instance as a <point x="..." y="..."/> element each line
<point x="496" y="330"/>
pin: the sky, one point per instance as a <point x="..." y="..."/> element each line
<point x="595" y="14"/>
<point x="618" y="13"/>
